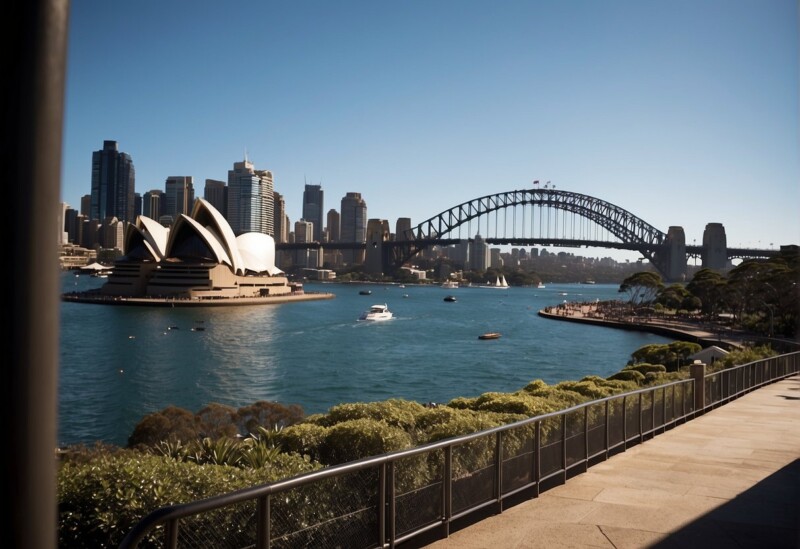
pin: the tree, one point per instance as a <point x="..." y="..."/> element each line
<point x="671" y="355"/>
<point x="673" y="296"/>
<point x="217" y="420"/>
<point x="172" y="424"/>
<point x="642" y="287"/>
<point x="269" y="415"/>
<point x="709" y="286"/>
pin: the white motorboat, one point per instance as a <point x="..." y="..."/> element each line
<point x="450" y="284"/>
<point x="377" y="312"/>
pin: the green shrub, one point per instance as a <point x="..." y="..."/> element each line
<point x="464" y="422"/>
<point x="360" y="438"/>
<point x="614" y="386"/>
<point x="303" y="438"/>
<point x="646" y="368"/>
<point x="660" y="378"/>
<point x="462" y="403"/>
<point x="513" y="403"/>
<point x="103" y="494"/>
<point x="393" y="412"/>
<point x="535" y="386"/>
<point x="671" y="355"/>
<point x="746" y="355"/>
<point x="172" y="424"/>
<point x="629" y="375"/>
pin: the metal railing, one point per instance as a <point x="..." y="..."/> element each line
<point x="386" y="500"/>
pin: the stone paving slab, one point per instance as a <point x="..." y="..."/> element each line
<point x="729" y="479"/>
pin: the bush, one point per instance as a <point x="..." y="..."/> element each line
<point x="646" y="368"/>
<point x="269" y="415"/>
<point x="172" y="424"/>
<point x="394" y="412"/>
<point x="463" y="422"/>
<point x="102" y="494"/>
<point x="744" y="356"/>
<point x="304" y="439"/>
<point x="629" y="375"/>
<point x="513" y="403"/>
<point x="360" y="438"/>
<point x="671" y="355"/>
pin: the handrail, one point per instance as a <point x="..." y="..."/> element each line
<point x="633" y="410"/>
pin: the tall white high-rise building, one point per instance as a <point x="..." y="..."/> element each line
<point x="250" y="199"/>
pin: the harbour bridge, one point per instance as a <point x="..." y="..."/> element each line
<point x="545" y="217"/>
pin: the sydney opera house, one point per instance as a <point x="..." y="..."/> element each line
<point x="198" y="258"/>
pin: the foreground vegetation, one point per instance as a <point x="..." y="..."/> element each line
<point x="175" y="456"/>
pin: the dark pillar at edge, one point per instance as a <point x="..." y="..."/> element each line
<point x="33" y="68"/>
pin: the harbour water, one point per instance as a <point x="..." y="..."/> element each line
<point x="118" y="364"/>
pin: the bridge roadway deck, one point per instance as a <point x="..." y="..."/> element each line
<point x="729" y="479"/>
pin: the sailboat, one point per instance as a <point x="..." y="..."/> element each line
<point x="499" y="283"/>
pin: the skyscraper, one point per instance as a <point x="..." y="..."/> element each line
<point x="179" y="196"/>
<point x="353" y="226"/>
<point x="216" y="193"/>
<point x="312" y="208"/>
<point x="152" y="203"/>
<point x="281" y="231"/>
<point x="113" y="184"/>
<point x="333" y="228"/>
<point x="250" y="196"/>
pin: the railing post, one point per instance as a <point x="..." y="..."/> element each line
<point x="537" y="456"/>
<point x="263" y="533"/>
<point x="384" y="507"/>
<point x="607" y="428"/>
<point x="625" y="422"/>
<point x="586" y="438"/>
<point x="448" y="488"/>
<point x="392" y="522"/>
<point x="498" y="463"/>
<point x="564" y="445"/>
<point x="698" y="373"/>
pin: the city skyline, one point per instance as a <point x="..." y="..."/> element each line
<point x="683" y="114"/>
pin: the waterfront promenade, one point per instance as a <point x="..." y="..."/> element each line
<point x="695" y="331"/>
<point x="729" y="479"/>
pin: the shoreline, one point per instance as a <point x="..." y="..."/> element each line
<point x="705" y="335"/>
<point x="97" y="299"/>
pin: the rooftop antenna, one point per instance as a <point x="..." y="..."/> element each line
<point x="245" y="154"/>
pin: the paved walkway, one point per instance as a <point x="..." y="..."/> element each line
<point x="728" y="479"/>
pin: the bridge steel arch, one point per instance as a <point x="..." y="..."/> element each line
<point x="439" y="229"/>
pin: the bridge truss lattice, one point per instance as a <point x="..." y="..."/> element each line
<point x="537" y="215"/>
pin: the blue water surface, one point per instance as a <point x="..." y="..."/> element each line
<point x="118" y="364"/>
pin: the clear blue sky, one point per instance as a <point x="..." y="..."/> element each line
<point x="683" y="112"/>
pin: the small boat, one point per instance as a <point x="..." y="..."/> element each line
<point x="377" y="312"/>
<point x="540" y="285"/>
<point x="365" y="292"/>
<point x="490" y="335"/>
<point x="500" y="283"/>
<point x="450" y="284"/>
<point x="450" y="298"/>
